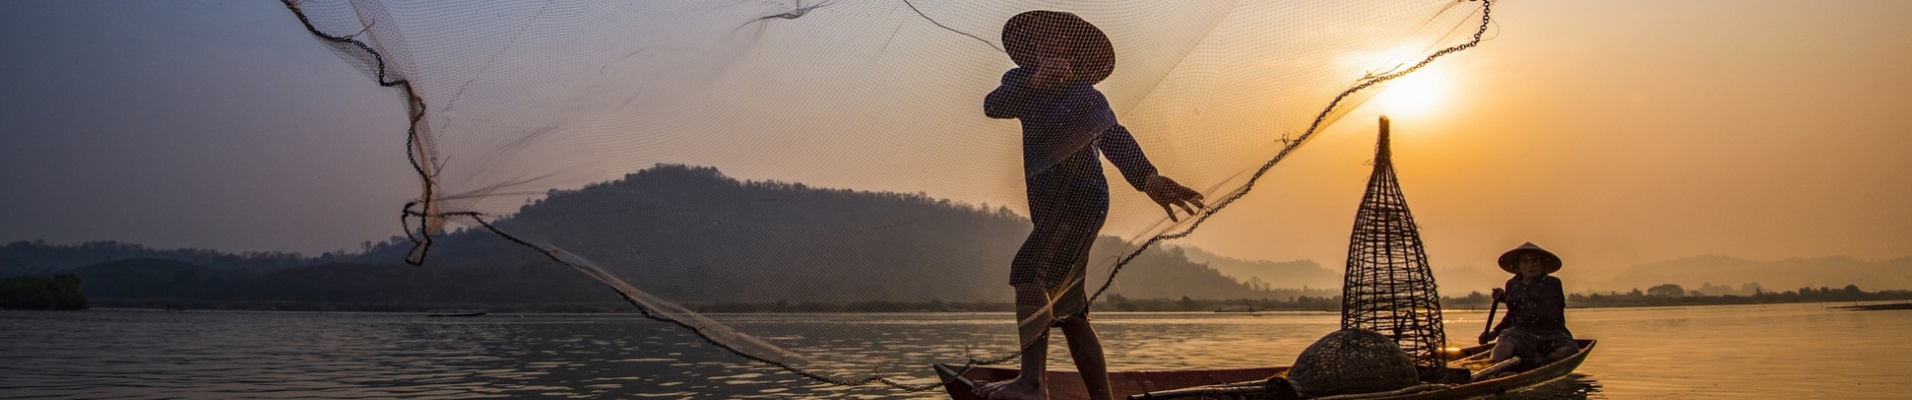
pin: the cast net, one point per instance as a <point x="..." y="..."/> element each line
<point x="713" y="159"/>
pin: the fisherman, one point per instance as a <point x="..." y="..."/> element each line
<point x="1065" y="121"/>
<point x="1535" y="327"/>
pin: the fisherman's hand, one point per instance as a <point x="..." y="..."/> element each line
<point x="1166" y="192"/>
<point x="1488" y="336"/>
<point x="1500" y="295"/>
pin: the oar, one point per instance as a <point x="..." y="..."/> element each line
<point x="1490" y="321"/>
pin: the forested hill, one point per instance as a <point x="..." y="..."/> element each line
<point x="40" y="258"/>
<point x="1287" y="274"/>
<point x="688" y="234"/>
<point x="691" y="233"/>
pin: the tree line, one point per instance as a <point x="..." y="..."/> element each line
<point x="60" y="292"/>
<point x="1675" y="295"/>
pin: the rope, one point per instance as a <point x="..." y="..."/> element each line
<point x="421" y="239"/>
<point x="606" y="278"/>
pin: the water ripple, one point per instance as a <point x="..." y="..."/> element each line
<point x="1774" y="351"/>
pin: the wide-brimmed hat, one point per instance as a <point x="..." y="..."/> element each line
<point x="1091" y="56"/>
<point x="1511" y="259"/>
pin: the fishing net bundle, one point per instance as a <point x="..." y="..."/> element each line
<point x="868" y="176"/>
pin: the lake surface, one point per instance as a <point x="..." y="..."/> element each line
<point x="1714" y="352"/>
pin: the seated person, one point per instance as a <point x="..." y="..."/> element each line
<point x="1535" y="327"/>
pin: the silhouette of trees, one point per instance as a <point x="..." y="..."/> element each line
<point x="1667" y="290"/>
<point x="1759" y="296"/>
<point x="61" y="292"/>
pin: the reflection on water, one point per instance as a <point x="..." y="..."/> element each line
<point x="1780" y="351"/>
<point x="1575" y="386"/>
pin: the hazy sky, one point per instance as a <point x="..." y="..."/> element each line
<point x="1623" y="132"/>
<point x="1614" y="132"/>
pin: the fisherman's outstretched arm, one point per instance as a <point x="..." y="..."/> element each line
<point x="1122" y="150"/>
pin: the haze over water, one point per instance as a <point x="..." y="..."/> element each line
<point x="1716" y="352"/>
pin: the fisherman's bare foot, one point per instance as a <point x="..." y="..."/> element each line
<point x="1013" y="390"/>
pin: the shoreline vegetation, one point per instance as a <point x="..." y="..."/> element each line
<point x="1473" y="301"/>
<point x="59" y="292"/>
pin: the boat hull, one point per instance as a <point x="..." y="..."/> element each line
<point x="1067" y="385"/>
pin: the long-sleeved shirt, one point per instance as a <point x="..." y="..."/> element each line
<point x="1537" y="307"/>
<point x="1062" y="129"/>
<point x="1063" y="126"/>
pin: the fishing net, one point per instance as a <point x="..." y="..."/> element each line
<point x="710" y="158"/>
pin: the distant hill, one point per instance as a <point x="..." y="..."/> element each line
<point x="1725" y="272"/>
<point x="159" y="283"/>
<point x="1459" y="281"/>
<point x="1173" y="273"/>
<point x="1280" y="274"/>
<point x="40" y="258"/>
<point x="693" y="234"/>
<point x="1456" y="281"/>
<point x="688" y="234"/>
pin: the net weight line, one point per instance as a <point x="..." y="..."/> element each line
<point x="414" y="148"/>
<point x="425" y="211"/>
<point x="624" y="290"/>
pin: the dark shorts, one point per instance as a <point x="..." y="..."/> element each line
<point x="1068" y="204"/>
<point x="1533" y="347"/>
<point x="1072" y="303"/>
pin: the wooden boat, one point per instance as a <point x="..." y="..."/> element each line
<point x="1067" y="385"/>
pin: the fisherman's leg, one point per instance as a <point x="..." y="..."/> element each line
<point x="1564" y="347"/>
<point x="1501" y="349"/>
<point x="1032" y="318"/>
<point x="1561" y="353"/>
<point x="1086" y="348"/>
<point x="1505" y="346"/>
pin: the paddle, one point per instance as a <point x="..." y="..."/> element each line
<point x="1490" y="321"/>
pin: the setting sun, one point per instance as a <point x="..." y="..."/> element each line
<point x="1414" y="94"/>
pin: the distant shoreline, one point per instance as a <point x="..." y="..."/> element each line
<point x="1878" y="307"/>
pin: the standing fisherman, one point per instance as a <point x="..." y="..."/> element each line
<point x="1065" y="121"/>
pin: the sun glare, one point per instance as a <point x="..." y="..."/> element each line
<point x="1415" y="94"/>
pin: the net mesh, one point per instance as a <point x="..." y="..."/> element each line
<point x="893" y="152"/>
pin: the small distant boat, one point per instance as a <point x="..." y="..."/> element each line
<point x="457" y="313"/>
<point x="1232" y="383"/>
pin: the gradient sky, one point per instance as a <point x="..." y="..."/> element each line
<point x="1614" y="132"/>
<point x="1625" y="132"/>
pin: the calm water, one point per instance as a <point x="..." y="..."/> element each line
<point x="1770" y="351"/>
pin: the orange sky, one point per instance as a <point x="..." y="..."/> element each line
<point x="1623" y="132"/>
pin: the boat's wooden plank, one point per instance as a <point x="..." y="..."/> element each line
<point x="1067" y="385"/>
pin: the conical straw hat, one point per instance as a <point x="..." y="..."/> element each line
<point x="1511" y="259"/>
<point x="1091" y="56"/>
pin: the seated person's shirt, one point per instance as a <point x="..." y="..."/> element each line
<point x="1537" y="307"/>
